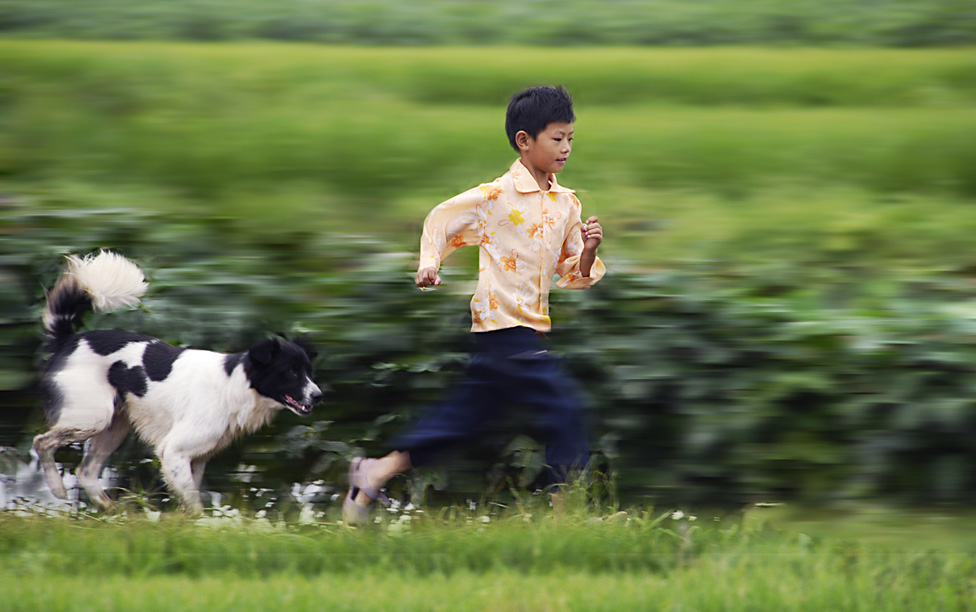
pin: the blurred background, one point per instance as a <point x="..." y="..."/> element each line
<point x="788" y="191"/>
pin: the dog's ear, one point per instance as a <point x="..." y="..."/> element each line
<point x="264" y="352"/>
<point x="306" y="345"/>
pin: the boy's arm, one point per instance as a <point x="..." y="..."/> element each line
<point x="426" y="277"/>
<point x="450" y="225"/>
<point x="592" y="234"/>
<point x="579" y="266"/>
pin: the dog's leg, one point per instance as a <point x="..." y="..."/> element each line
<point x="82" y="413"/>
<point x="99" y="449"/>
<point x="178" y="474"/>
<point x="197" y="466"/>
<point x="45" y="445"/>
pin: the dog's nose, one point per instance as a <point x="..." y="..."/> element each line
<point x="316" y="396"/>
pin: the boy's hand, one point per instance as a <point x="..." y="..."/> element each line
<point x="427" y="277"/>
<point x="592" y="234"/>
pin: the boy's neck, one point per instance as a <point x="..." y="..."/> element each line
<point x="541" y="177"/>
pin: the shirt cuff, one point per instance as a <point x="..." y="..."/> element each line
<point x="575" y="280"/>
<point x="429" y="260"/>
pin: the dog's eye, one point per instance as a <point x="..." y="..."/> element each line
<point x="292" y="374"/>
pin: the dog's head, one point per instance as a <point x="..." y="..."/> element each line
<point x="282" y="371"/>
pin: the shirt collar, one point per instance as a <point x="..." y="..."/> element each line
<point x="525" y="183"/>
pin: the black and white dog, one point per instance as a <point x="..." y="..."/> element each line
<point x="188" y="404"/>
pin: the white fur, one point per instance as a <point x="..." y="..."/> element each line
<point x="94" y="406"/>
<point x="198" y="409"/>
<point x="111" y="280"/>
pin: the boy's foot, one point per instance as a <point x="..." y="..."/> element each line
<point x="355" y="508"/>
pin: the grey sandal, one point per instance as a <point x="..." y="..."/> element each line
<point x="353" y="513"/>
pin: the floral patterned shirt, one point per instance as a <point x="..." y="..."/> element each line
<point x="526" y="237"/>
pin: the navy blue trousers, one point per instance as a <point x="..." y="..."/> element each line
<point x="508" y="367"/>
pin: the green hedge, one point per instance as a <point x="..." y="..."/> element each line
<point x="707" y="383"/>
<point x="540" y="22"/>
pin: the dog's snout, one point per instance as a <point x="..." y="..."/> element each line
<point x="317" y="395"/>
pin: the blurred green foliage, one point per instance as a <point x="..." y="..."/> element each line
<point x="789" y="312"/>
<point x="903" y="23"/>
<point x="708" y="384"/>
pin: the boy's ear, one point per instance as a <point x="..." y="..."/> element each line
<point x="522" y="140"/>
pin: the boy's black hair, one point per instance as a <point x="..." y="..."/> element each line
<point x="531" y="110"/>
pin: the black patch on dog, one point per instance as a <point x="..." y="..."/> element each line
<point x="158" y="359"/>
<point x="232" y="361"/>
<point x="69" y="307"/>
<point x="107" y="341"/>
<point x="128" y="380"/>
<point x="55" y="362"/>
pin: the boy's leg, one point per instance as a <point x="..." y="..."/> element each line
<point x="561" y="419"/>
<point x="472" y="402"/>
<point x="377" y="472"/>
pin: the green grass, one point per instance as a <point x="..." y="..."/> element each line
<point x="650" y="562"/>
<point x="487" y="77"/>
<point x="796" y="155"/>
<point x="802" y="582"/>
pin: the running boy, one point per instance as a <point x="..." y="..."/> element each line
<point x="528" y="228"/>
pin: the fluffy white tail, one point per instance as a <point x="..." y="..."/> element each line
<point x="105" y="281"/>
<point x="112" y="281"/>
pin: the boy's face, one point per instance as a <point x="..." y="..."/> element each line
<point x="550" y="149"/>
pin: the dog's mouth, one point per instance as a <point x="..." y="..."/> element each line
<point x="297" y="407"/>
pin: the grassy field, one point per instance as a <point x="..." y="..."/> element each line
<point x="801" y="582"/>
<point x="805" y="156"/>
<point x="666" y="561"/>
<point x="802" y="158"/>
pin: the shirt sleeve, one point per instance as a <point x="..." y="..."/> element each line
<point x="450" y="225"/>
<point x="568" y="265"/>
